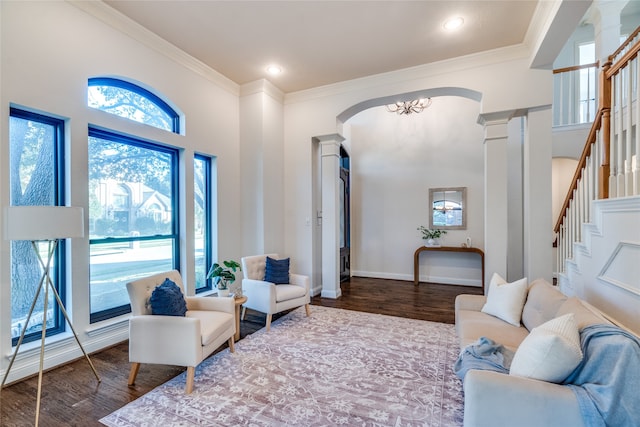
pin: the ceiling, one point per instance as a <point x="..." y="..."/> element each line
<point x="322" y="42"/>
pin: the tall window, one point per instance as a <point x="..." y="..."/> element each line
<point x="588" y="81"/>
<point x="133" y="196"/>
<point x="133" y="221"/>
<point x="202" y="220"/>
<point x="36" y="178"/>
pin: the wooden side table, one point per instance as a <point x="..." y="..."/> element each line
<point x="239" y="301"/>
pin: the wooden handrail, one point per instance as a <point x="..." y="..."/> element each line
<point x="576" y="68"/>
<point x="586" y="152"/>
<point x="622" y="62"/>
<point x="625" y="44"/>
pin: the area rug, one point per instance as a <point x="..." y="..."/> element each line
<point x="336" y="367"/>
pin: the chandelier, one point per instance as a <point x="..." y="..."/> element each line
<point x="408" y="107"/>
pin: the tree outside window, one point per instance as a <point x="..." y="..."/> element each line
<point x="36" y="179"/>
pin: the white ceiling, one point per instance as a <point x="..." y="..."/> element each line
<point x="323" y="42"/>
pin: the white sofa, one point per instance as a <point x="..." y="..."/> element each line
<point x="498" y="399"/>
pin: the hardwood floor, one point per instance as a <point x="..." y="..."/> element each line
<point x="72" y="397"/>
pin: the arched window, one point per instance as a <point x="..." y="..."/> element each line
<point x="133" y="102"/>
<point x="134" y="194"/>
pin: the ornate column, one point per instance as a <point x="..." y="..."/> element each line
<point x="330" y="172"/>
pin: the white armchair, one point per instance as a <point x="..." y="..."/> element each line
<point x="270" y="298"/>
<point x="176" y="340"/>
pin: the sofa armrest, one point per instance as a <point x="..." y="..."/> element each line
<point x="261" y="295"/>
<point x="300" y="280"/>
<point x="470" y="302"/>
<point x="496" y="399"/>
<point x="226" y="305"/>
<point x="167" y="340"/>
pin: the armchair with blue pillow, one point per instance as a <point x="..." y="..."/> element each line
<point x="170" y="329"/>
<point x="271" y="288"/>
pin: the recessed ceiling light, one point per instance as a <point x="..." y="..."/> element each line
<point x="274" y="70"/>
<point x="453" y="23"/>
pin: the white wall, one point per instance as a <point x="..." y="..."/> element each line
<point x="563" y="170"/>
<point x="394" y="161"/>
<point x="49" y="50"/>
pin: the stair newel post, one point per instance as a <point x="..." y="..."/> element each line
<point x="605" y="107"/>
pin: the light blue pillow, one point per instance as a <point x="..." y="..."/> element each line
<point x="167" y="300"/>
<point x="277" y="271"/>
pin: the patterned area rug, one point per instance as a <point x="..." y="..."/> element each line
<point x="337" y="367"/>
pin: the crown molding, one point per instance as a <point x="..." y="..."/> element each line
<point x="124" y="24"/>
<point x="262" y="86"/>
<point x="393" y="78"/>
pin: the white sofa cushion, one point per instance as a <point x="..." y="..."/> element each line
<point x="584" y="315"/>
<point x="506" y="300"/>
<point x="212" y="323"/>
<point x="289" y="292"/>
<point x="550" y="352"/>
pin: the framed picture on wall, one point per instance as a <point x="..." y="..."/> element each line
<point x="448" y="208"/>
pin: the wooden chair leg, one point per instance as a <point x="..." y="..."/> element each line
<point x="244" y="312"/>
<point x="135" y="367"/>
<point x="191" y="375"/>
<point x="232" y="348"/>
<point x="268" y="322"/>
<point x="306" y="308"/>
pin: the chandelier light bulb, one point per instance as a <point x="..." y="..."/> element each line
<point x="409" y="107"/>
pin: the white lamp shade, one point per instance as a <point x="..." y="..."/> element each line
<point x="43" y="222"/>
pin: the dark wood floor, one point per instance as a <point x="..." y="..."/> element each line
<point x="71" y="396"/>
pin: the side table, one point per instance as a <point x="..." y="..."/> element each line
<point x="239" y="301"/>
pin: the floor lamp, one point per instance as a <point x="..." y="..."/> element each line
<point x="48" y="224"/>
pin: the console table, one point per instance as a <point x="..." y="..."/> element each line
<point x="416" y="266"/>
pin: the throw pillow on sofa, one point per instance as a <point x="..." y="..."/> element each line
<point x="550" y="352"/>
<point x="167" y="300"/>
<point x="506" y="300"/>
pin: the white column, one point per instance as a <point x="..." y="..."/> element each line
<point x="262" y="177"/>
<point x="538" y="223"/>
<point x="330" y="164"/>
<point x="495" y="198"/>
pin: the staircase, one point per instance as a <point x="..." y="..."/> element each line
<point x="598" y="232"/>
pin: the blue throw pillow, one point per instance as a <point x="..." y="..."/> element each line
<point x="277" y="271"/>
<point x="167" y="300"/>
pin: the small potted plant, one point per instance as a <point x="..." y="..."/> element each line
<point x="223" y="275"/>
<point x="431" y="236"/>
